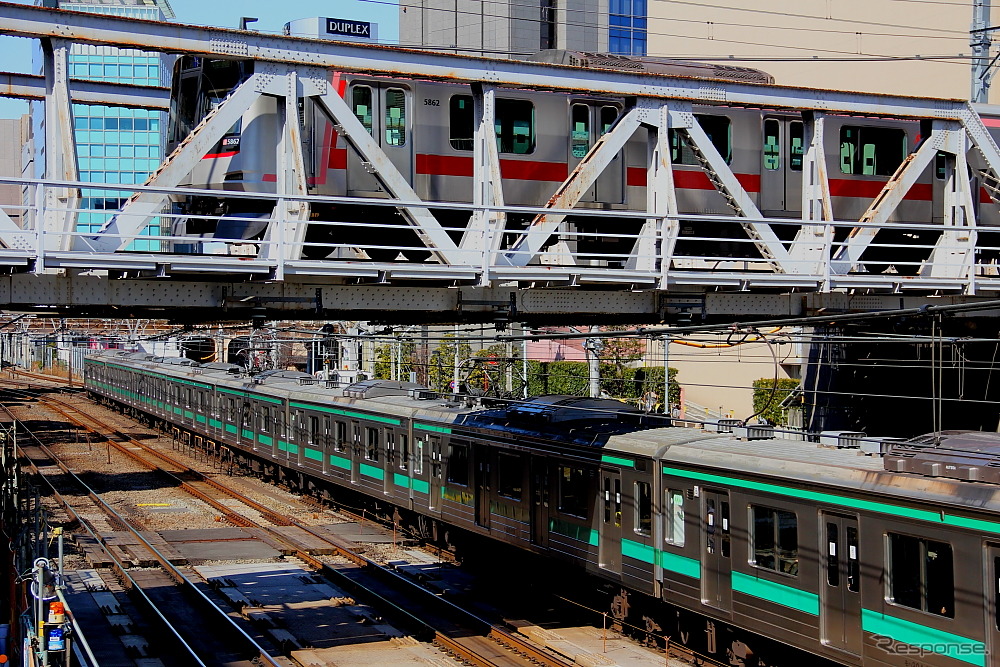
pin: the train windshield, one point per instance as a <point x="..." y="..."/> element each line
<point x="200" y="85"/>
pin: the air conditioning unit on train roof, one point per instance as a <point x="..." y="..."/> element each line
<point x="376" y="388"/>
<point x="966" y="455"/>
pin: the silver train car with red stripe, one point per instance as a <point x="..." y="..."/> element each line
<point x="425" y="129"/>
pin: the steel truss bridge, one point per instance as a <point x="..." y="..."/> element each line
<point x="492" y="272"/>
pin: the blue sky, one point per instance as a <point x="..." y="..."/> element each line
<point x="272" y="17"/>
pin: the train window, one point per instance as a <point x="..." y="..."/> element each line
<point x="509" y="475"/>
<point x="674" y="533"/>
<point x="371" y="444"/>
<point x="579" y="134"/>
<point x="361" y="103"/>
<point x="231" y="410"/>
<point x="514" y="125"/>
<point x="265" y="419"/>
<point x="871" y="151"/>
<point x="418" y="456"/>
<point x="853" y="561"/>
<point x="187" y="398"/>
<point x="395" y="117"/>
<point x="719" y="131"/>
<point x="390" y="446"/>
<point x="313" y="429"/>
<point x="458" y="464"/>
<point x="921" y="574"/>
<point x="796" y="145"/>
<point x="462" y="122"/>
<point x="404" y="452"/>
<point x="573" y="491"/>
<point x="774" y="540"/>
<point x="772" y="144"/>
<point x="608" y="117"/>
<point x="643" y="509"/>
<point x="832" y="554"/>
<point x="340" y="440"/>
<point x="940" y="165"/>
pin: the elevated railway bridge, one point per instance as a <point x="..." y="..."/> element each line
<point x="916" y="228"/>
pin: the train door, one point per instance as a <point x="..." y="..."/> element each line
<point x="539" y="500"/>
<point x="840" y="601"/>
<point x="782" y="151"/>
<point x="384" y="111"/>
<point x="716" y="562"/>
<point x="992" y="588"/>
<point x="247" y="435"/>
<point x="588" y="122"/>
<point x="482" y="484"/>
<point x="357" y="451"/>
<point x="610" y="543"/>
<point x="389" y="465"/>
<point x="437" y="469"/>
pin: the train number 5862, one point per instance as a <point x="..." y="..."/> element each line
<point x="431" y="103"/>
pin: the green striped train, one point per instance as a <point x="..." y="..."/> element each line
<point x="730" y="542"/>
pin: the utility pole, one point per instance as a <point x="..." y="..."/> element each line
<point x="980" y="39"/>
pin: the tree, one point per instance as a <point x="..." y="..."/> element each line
<point x="768" y="395"/>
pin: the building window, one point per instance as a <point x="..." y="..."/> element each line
<point x="674" y="533"/>
<point x="774" y="540"/>
<point x="574" y="493"/>
<point x="921" y="574"/>
<point x="458" y="464"/>
<point x="871" y="151"/>
<point x="627" y="27"/>
<point x="643" y="524"/>
<point x="514" y="125"/>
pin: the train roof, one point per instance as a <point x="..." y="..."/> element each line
<point x="651" y="65"/>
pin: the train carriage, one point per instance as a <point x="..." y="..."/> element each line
<point x="858" y="560"/>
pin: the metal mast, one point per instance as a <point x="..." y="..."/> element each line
<point x="980" y="38"/>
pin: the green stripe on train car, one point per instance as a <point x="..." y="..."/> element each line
<point x="265" y="440"/>
<point x="200" y="418"/>
<point x="689" y="567"/>
<point x="421" y="486"/>
<point x="433" y="429"/>
<point x="247" y="394"/>
<point x="668" y="561"/>
<point x="313" y="454"/>
<point x="249" y="435"/>
<point x="772" y="591"/>
<point x="842" y="501"/>
<point x="617" y="461"/>
<point x="581" y="533"/>
<point x="340" y="462"/>
<point x="401" y="480"/>
<point x="923" y="637"/>
<point x="215" y="423"/>
<point x="230" y="428"/>
<point x="372" y="471"/>
<point x="346" y="413"/>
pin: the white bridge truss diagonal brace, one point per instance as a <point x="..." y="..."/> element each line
<point x="810" y="248"/>
<point x="135" y="215"/>
<point x="60" y="149"/>
<point x="568" y="194"/>
<point x="954" y="252"/>
<point x="484" y="232"/>
<point x="286" y="234"/>
<point x="426" y="226"/>
<point x="659" y="233"/>
<point x="943" y="138"/>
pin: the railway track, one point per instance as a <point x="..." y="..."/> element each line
<point x="426" y="614"/>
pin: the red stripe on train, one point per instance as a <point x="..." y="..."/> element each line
<point x="691" y="180"/>
<point x="460" y="165"/>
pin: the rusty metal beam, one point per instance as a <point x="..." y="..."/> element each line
<point x="32" y="87"/>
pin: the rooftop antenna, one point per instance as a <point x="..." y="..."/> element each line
<point x="245" y="20"/>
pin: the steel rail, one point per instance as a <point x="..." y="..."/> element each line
<point x="169" y="568"/>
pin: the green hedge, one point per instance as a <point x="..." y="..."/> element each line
<point x="572" y="377"/>
<point x="772" y="410"/>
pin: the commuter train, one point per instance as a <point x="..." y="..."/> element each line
<point x="745" y="539"/>
<point x="425" y="129"/>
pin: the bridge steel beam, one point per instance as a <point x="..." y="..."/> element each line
<point x="32" y="87"/>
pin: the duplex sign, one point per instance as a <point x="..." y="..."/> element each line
<point x="361" y="29"/>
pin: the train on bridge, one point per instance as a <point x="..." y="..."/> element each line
<point x="426" y="130"/>
<point x="731" y="543"/>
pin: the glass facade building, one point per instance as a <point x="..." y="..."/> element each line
<point x="627" y="27"/>
<point x="116" y="145"/>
